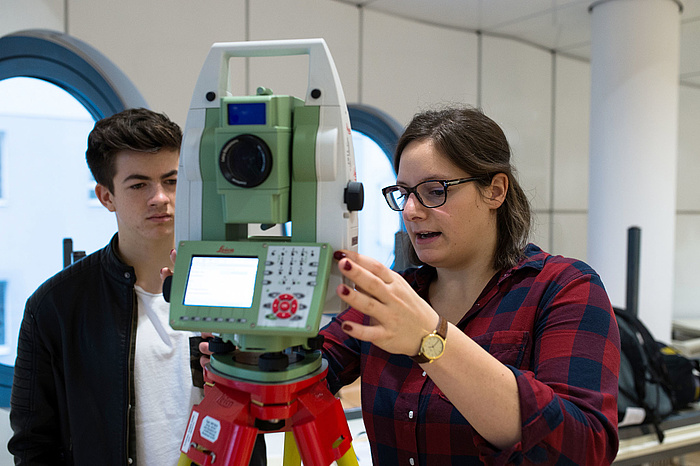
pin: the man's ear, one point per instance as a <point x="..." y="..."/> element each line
<point x="496" y="192"/>
<point x="105" y="197"/>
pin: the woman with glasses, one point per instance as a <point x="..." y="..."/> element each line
<point x="491" y="350"/>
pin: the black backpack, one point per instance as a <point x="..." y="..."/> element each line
<point x="655" y="380"/>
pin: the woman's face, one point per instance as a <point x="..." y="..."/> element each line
<point x="458" y="233"/>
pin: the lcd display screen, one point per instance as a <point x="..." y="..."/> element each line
<point x="221" y="281"/>
<point x="247" y="114"/>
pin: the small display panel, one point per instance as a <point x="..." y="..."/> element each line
<point x="221" y="281"/>
<point x="247" y="114"/>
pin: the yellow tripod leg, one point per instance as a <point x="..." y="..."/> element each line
<point x="292" y="458"/>
<point x="291" y="451"/>
<point x="349" y="458"/>
<point x="184" y="460"/>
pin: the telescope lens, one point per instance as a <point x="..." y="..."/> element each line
<point x="245" y="161"/>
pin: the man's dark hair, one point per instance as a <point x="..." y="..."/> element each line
<point x="135" y="129"/>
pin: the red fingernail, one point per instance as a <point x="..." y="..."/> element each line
<point x="346" y="291"/>
<point x="347" y="265"/>
<point x="346" y="326"/>
<point x="338" y="255"/>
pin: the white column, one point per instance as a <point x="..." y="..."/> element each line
<point x="633" y="149"/>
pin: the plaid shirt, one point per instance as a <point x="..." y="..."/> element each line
<point x="549" y="320"/>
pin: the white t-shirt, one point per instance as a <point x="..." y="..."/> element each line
<point x="163" y="383"/>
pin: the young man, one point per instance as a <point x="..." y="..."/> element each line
<point x="101" y="377"/>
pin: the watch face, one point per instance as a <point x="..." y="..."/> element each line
<point x="433" y="346"/>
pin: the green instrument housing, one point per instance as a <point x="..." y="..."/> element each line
<point x="282" y="125"/>
<point x="271" y="303"/>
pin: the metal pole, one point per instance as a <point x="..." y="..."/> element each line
<point x="67" y="252"/>
<point x="634" y="244"/>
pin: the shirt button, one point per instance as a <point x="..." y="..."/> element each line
<point x="131" y="461"/>
<point x="410" y="414"/>
<point x="423" y="373"/>
<point x="410" y="460"/>
<point x="127" y="275"/>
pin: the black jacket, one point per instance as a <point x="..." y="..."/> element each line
<point x="73" y="379"/>
<point x="73" y="382"/>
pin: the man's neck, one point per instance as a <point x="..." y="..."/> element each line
<point x="147" y="258"/>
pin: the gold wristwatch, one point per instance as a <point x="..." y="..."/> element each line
<point x="433" y="344"/>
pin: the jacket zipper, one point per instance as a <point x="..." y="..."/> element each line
<point x="130" y="375"/>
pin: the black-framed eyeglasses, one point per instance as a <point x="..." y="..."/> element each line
<point x="430" y="193"/>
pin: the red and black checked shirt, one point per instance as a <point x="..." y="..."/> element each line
<point x="550" y="321"/>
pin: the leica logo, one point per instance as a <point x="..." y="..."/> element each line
<point x="225" y="250"/>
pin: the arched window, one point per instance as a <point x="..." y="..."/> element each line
<point x="74" y="66"/>
<point x="375" y="135"/>
<point x="54" y="88"/>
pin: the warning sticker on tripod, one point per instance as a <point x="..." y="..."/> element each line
<point x="210" y="429"/>
<point x="190" y="430"/>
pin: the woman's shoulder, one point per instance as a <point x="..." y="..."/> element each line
<point x="533" y="254"/>
<point x="554" y="265"/>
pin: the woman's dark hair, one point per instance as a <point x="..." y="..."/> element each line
<point x="136" y="129"/>
<point x="476" y="144"/>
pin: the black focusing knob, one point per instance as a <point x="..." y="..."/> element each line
<point x="167" y="287"/>
<point x="219" y="346"/>
<point x="354" y="196"/>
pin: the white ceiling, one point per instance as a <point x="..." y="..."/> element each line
<point x="560" y="25"/>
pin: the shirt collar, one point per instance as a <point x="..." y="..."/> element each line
<point x="533" y="258"/>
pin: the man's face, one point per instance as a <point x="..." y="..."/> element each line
<point x="144" y="194"/>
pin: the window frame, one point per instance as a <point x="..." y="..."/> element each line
<point x="79" y="69"/>
<point x="385" y="131"/>
<point x="377" y="125"/>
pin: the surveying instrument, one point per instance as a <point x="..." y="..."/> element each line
<point x="264" y="159"/>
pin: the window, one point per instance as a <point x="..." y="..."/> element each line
<point x="3" y="287"/>
<point x="377" y="223"/>
<point x="45" y="131"/>
<point x="374" y="138"/>
<point x="52" y="89"/>
<point x="2" y="172"/>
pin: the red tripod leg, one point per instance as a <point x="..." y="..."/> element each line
<point x="218" y="430"/>
<point x="222" y="428"/>
<point x="320" y="428"/>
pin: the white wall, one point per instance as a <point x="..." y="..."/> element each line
<point x="687" y="287"/>
<point x="400" y="66"/>
<point x="408" y="66"/>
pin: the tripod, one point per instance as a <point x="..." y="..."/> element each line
<point x="223" y="427"/>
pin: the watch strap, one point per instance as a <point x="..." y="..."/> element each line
<point x="441" y="330"/>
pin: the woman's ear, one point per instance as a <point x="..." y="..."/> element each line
<point x="496" y="192"/>
<point x="105" y="197"/>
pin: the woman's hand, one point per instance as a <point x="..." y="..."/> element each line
<point x="399" y="317"/>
